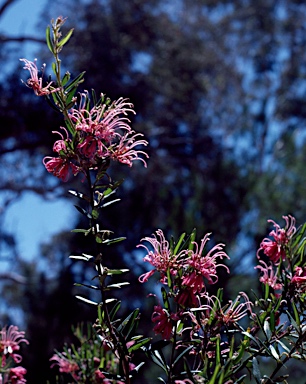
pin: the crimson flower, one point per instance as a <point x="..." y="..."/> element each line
<point x="276" y="249"/>
<point x="187" y="298"/>
<point x="35" y="82"/>
<point x="9" y="342"/>
<point x="163" y="322"/>
<point x="60" y="167"/>
<point x="198" y="266"/>
<point x="16" y="375"/>
<point x="299" y="277"/>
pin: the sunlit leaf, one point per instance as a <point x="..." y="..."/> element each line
<point x="87" y="300"/>
<point x="49" y="39"/>
<point x="65" y="39"/>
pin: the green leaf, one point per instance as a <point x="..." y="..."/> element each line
<point x="218" y="352"/>
<point x="192" y="239"/>
<point x="113" y="241"/>
<point x="75" y="82"/>
<point x="129" y="323"/>
<point x="181" y="355"/>
<point x="157" y="358"/>
<point x="165" y="299"/>
<point x="296" y="313"/>
<point x="65" y="78"/>
<point x="95" y="214"/>
<point x="65" y="39"/>
<point x="49" y="39"/>
<point x="177" y="247"/>
<point x="69" y="96"/>
<point x="83" y="211"/>
<point x="85" y="231"/>
<point x="53" y="65"/>
<point x="117" y="271"/>
<point x="215" y="374"/>
<point x="114" y="310"/>
<point x="139" y="344"/>
<point x="295" y="325"/>
<point x="256" y="370"/>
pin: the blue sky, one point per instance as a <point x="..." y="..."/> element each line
<point x="32" y="219"/>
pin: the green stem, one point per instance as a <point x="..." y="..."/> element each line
<point x="112" y="331"/>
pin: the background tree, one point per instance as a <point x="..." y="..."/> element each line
<point x="218" y="87"/>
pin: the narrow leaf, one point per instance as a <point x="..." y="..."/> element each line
<point x="75" y="82"/>
<point x="117" y="271"/>
<point x="49" y="40"/>
<point x="118" y="285"/>
<point x="65" y="39"/>
<point x="87" y="300"/>
<point x="256" y="370"/>
<point x="177" y="247"/>
<point x="139" y="344"/>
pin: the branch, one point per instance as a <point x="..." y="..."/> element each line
<point x="13" y="276"/>
<point x="20" y="39"/>
<point x="5" y="5"/>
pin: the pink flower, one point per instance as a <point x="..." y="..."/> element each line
<point x="102" y="121"/>
<point x="276" y="249"/>
<point x="125" y="153"/>
<point x="231" y="313"/>
<point x="16" y="375"/>
<point x="160" y="257"/>
<point x="299" y="277"/>
<point x="235" y="310"/>
<point x="60" y="167"/>
<point x="10" y="340"/>
<point x="88" y="147"/>
<point x="164" y="323"/>
<point x="35" y="82"/>
<point x="269" y="277"/>
<point x="199" y="266"/>
<point x="61" y="145"/>
<point x="187" y="298"/>
<point x="104" y="131"/>
<point x="99" y="377"/>
<point x="65" y="365"/>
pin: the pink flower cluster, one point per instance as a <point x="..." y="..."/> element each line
<point x="75" y="365"/>
<point x="189" y="271"/>
<point x="276" y="249"/>
<point x="99" y="134"/>
<point x="9" y="343"/>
